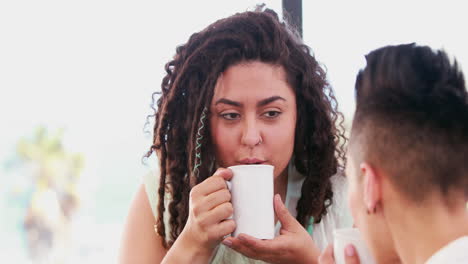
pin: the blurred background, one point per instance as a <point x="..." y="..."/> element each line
<point x="76" y="82"/>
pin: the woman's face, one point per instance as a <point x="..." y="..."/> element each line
<point x="253" y="116"/>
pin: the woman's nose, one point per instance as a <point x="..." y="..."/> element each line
<point x="251" y="135"/>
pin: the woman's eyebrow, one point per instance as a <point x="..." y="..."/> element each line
<point x="259" y="104"/>
<point x="228" y="102"/>
<point x="269" y="100"/>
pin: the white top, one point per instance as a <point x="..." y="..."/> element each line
<point x="338" y="214"/>
<point x="456" y="252"/>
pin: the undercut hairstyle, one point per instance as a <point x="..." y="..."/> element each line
<point x="182" y="134"/>
<point x="411" y="120"/>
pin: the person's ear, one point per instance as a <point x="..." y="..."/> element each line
<point x="372" y="187"/>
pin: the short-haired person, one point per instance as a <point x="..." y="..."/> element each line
<point x="408" y="157"/>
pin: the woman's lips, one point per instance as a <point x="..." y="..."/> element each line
<point x="251" y="161"/>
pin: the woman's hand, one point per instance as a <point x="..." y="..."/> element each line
<point x="293" y="245"/>
<point x="351" y="256"/>
<point x="209" y="208"/>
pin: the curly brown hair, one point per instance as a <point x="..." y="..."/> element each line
<point x="187" y="91"/>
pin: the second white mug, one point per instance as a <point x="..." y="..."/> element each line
<point x="345" y="236"/>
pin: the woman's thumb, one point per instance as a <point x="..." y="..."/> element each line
<point x="288" y="222"/>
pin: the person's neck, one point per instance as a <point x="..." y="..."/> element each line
<point x="421" y="231"/>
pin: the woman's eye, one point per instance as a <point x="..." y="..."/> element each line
<point x="230" y="116"/>
<point x="271" y="114"/>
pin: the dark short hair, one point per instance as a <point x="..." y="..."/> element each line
<point x="411" y="119"/>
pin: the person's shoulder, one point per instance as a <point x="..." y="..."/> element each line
<point x="454" y="252"/>
<point x="151" y="183"/>
<point x="137" y="246"/>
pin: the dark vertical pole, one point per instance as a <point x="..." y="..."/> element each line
<point x="293" y="11"/>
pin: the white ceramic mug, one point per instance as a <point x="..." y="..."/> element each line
<point x="345" y="236"/>
<point x="251" y="189"/>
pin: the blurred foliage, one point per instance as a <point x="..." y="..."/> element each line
<point x="55" y="176"/>
<point x="56" y="167"/>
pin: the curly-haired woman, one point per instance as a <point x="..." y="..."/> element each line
<point x="243" y="90"/>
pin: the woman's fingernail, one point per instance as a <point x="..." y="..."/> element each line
<point x="227" y="243"/>
<point x="278" y="198"/>
<point x="350" y="251"/>
<point x="241" y="238"/>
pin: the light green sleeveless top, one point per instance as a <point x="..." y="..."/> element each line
<point x="338" y="215"/>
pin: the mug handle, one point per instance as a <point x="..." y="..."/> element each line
<point x="229" y="186"/>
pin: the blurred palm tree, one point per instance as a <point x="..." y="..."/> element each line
<point x="55" y="177"/>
